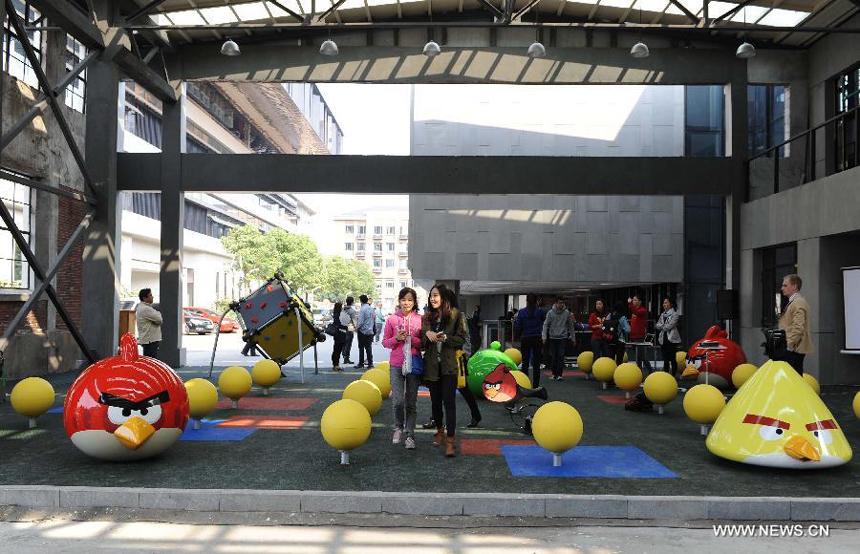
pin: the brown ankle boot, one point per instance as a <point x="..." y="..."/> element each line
<point x="450" y="451"/>
<point x="440" y="436"/>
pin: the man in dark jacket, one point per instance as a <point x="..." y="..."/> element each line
<point x="528" y="327"/>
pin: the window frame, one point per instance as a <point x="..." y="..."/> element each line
<point x="27" y="277"/>
<point x="29" y="16"/>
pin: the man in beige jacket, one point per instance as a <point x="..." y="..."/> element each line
<point x="148" y="324"/>
<point x="794" y="320"/>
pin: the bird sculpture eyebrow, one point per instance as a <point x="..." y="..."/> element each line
<point x="824" y="424"/>
<point x="764" y="420"/>
<point x="109" y="399"/>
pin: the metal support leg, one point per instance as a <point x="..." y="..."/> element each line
<point x="217" y="334"/>
<point x="344" y="458"/>
<point x="556" y="460"/>
<point x="316" y="360"/>
<point x="301" y="344"/>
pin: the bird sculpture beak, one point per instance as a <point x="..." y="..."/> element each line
<point x="800" y="449"/>
<point x="690" y="373"/>
<point x="491" y="393"/>
<point x="134" y="432"/>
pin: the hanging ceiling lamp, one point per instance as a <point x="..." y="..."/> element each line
<point x="230" y="48"/>
<point x="328" y="48"/>
<point x="640" y="50"/>
<point x="431" y="49"/>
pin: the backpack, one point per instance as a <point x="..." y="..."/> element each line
<point x="639" y="403"/>
<point x="610" y="329"/>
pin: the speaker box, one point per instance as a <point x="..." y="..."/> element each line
<point x="727" y="304"/>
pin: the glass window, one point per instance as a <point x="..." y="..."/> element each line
<point x="15" y="61"/>
<point x="361" y="246"/>
<point x="777" y="262"/>
<point x="348" y="247"/>
<point x="14" y="269"/>
<point x="75" y="94"/>
<point x="704" y="131"/>
<point x="377" y="264"/>
<point x="389" y="284"/>
<point x="404" y="284"/>
<point x="389" y="263"/>
<point x="361" y="229"/>
<point x="403" y="264"/>
<point x="377" y="247"/>
<point x="377" y="230"/>
<point x="766" y="108"/>
<point x="847" y="98"/>
<point x="349" y="229"/>
<point x="390" y="246"/>
<point x="390" y="230"/>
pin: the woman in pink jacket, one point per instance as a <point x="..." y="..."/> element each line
<point x="402" y="336"/>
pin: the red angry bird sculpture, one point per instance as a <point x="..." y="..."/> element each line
<point x="500" y="385"/>
<point x="126" y="407"/>
<point x="716" y="354"/>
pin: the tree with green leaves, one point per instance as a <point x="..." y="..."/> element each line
<point x="253" y="256"/>
<point x="342" y="278"/>
<point x="298" y="259"/>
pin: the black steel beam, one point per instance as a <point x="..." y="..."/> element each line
<point x="37" y="270"/>
<point x="144" y="10"/>
<point x="144" y="75"/>
<point x="732" y="11"/>
<point x="326" y="13"/>
<point x="293" y="14"/>
<point x="74" y="21"/>
<point x="437" y="174"/>
<point x="80" y="196"/>
<point x="42" y="101"/>
<point x="49" y="275"/>
<point x="690" y="15"/>
<point x="525" y="9"/>
<point x="35" y="64"/>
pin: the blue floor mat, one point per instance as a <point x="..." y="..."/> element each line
<point x="58" y="410"/>
<point x="585" y="461"/>
<point x="208" y="432"/>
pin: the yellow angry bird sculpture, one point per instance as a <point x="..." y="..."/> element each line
<point x="777" y="420"/>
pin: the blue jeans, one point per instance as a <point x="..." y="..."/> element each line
<point x="404" y="399"/>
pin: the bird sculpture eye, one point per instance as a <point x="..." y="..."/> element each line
<point x="118" y="415"/>
<point x="769" y="433"/>
<point x="824" y="436"/>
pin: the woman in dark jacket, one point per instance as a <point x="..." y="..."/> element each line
<point x="339" y="337"/>
<point x="443" y="332"/>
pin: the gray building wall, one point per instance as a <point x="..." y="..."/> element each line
<point x="41" y="346"/>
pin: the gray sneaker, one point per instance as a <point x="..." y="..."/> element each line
<point x="398" y="434"/>
<point x="410" y="443"/>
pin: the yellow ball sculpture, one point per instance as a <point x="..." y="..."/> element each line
<point x="813" y="382"/>
<point x="557" y="427"/>
<point x="681" y="358"/>
<point x="379" y="378"/>
<point x="32" y="397"/>
<point x="585" y="361"/>
<point x="627" y="377"/>
<point x="345" y="425"/>
<point x="626" y="359"/>
<point x="235" y="382"/>
<point x="856" y="405"/>
<point x="365" y="393"/>
<point x="265" y="374"/>
<point x="383" y="366"/>
<point x="522" y="379"/>
<point x="603" y="369"/>
<point x="703" y="404"/>
<point x="515" y="355"/>
<point x="661" y="388"/>
<point x="742" y="373"/>
<point x="202" y="399"/>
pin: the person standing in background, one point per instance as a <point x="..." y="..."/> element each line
<point x="638" y="320"/>
<point x="366" y="321"/>
<point x="668" y="336"/>
<point x="528" y="326"/>
<point x="595" y="323"/>
<point x="557" y="330"/>
<point x="380" y="321"/>
<point x="794" y="320"/>
<point x="350" y="312"/>
<point x="149" y="322"/>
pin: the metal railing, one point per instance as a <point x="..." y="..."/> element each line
<point x="847" y="146"/>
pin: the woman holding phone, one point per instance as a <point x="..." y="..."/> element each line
<point x="443" y="332"/>
<point x="402" y="335"/>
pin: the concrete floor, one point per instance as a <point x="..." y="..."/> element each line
<point x="61" y="536"/>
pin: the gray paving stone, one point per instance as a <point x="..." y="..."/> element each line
<point x="423" y="504"/>
<point x="778" y="509"/>
<point x="830" y="509"/>
<point x="505" y="505"/>
<point x="342" y="502"/>
<point x="99" y="497"/>
<point x="662" y="507"/>
<point x="586" y="506"/>
<point x="165" y="499"/>
<point x="30" y="496"/>
<point x="260" y="501"/>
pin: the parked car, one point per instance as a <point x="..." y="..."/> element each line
<point x="321" y="316"/>
<point x="195" y="324"/>
<point x="228" y="325"/>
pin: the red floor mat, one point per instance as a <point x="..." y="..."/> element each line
<point x="270" y="403"/>
<point x="264" y="422"/>
<point x="489" y="446"/>
<point x="568" y="373"/>
<point x="613" y="398"/>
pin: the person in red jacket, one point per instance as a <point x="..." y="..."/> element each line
<point x="595" y="323"/>
<point x="638" y="319"/>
